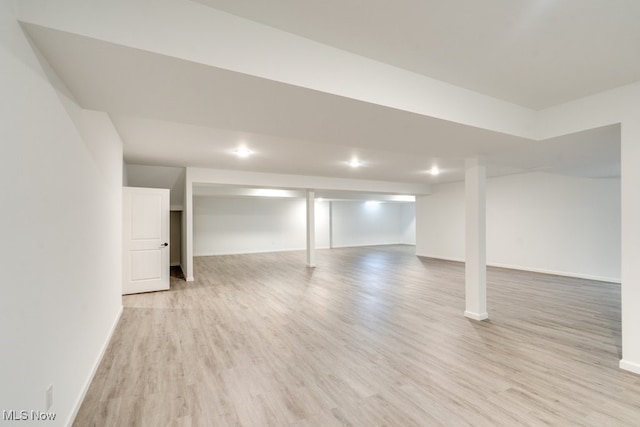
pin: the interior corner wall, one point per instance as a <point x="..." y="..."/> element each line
<point x="61" y="183"/>
<point x="408" y="223"/>
<point x="536" y="221"/>
<point x="170" y="177"/>
<point x="440" y="222"/>
<point x="357" y="223"/>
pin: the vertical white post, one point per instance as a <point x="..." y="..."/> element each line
<point x="475" y="254"/>
<point x="311" y="229"/>
<point x="630" y="243"/>
<point x="330" y="225"/>
<point x="188" y="230"/>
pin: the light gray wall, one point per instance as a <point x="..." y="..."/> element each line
<point x="535" y="221"/>
<point x="408" y="223"/>
<point x="61" y="176"/>
<point x="368" y="223"/>
<point x="228" y="225"/>
<point x="159" y="177"/>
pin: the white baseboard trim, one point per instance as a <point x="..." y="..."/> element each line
<point x="299" y="249"/>
<point x="87" y="384"/>
<point x="557" y="273"/>
<point x="476" y="316"/>
<point x="444" y="258"/>
<point x="533" y="269"/>
<point x="630" y="366"/>
<point x="190" y="279"/>
<point x="369" y="244"/>
<point x="257" y="252"/>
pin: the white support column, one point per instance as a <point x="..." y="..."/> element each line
<point x="330" y="225"/>
<point x="311" y="229"/>
<point x="630" y="234"/>
<point x="188" y="229"/>
<point x="476" y="248"/>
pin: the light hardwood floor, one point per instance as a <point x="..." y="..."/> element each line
<point x="372" y="336"/>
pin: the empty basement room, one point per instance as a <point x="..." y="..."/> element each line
<point x="320" y="213"/>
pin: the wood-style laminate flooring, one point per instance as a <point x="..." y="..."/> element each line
<point x="372" y="336"/>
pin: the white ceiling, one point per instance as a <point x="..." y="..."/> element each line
<point x="172" y="112"/>
<point x="535" y="53"/>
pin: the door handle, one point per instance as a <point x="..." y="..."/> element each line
<point x="165" y="244"/>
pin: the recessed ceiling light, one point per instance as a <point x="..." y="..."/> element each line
<point x="242" y="152"/>
<point x="355" y="163"/>
<point x="434" y="171"/>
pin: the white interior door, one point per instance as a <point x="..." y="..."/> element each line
<point x="146" y="240"/>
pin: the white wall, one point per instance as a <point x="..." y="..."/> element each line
<point x="228" y="225"/>
<point x="231" y="225"/>
<point x="408" y="223"/>
<point x="172" y="178"/>
<point x="536" y="221"/>
<point x="440" y="222"/>
<point x="60" y="179"/>
<point x="357" y="223"/>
